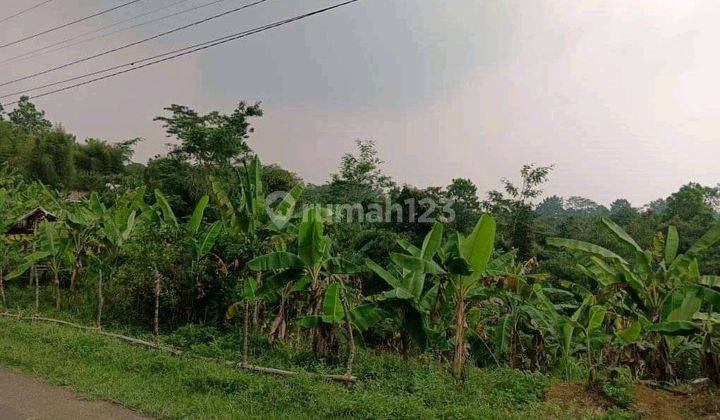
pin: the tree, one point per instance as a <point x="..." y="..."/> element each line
<point x="276" y="178"/>
<point x="466" y="203"/>
<point x="52" y="159"/>
<point x="584" y="206"/>
<point x="551" y="206"/>
<point x="213" y="139"/>
<point x="361" y="178"/>
<point x="250" y="220"/>
<point x="692" y="209"/>
<point x="28" y="118"/>
<point x="514" y="208"/>
<point x="99" y="163"/>
<point x="622" y="212"/>
<point x="692" y="201"/>
<point x="179" y="181"/>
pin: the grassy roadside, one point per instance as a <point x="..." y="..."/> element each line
<point x="162" y="385"/>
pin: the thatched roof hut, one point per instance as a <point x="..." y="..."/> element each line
<point x="28" y="223"/>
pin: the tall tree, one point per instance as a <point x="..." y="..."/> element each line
<point x="361" y="178"/>
<point x="28" y="118"/>
<point x="213" y="139"/>
<point x="551" y="206"/>
<point x="622" y="212"/>
<point x="466" y="203"/>
<point x="514" y="208"/>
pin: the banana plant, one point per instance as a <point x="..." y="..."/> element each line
<point x="658" y="287"/>
<point x="708" y="323"/>
<point x="465" y="261"/>
<point x="337" y="310"/>
<point x="199" y="243"/>
<point x="407" y="278"/>
<point x="54" y="240"/>
<point x="510" y="289"/>
<point x="28" y="263"/>
<point x="709" y="326"/>
<point x="115" y="225"/>
<point x="559" y="330"/>
<point x="251" y="218"/>
<point x="311" y="267"/>
<point x="81" y="224"/>
<point x="9" y="253"/>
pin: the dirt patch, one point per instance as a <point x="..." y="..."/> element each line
<point x="23" y="397"/>
<point x="659" y="404"/>
<point x="572" y="397"/>
<point x="652" y="403"/>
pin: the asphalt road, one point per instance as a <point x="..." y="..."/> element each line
<point x="23" y="397"/>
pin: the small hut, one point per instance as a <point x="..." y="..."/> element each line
<point x="75" y="196"/>
<point x="27" y="225"/>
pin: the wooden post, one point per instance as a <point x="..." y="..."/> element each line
<point x="37" y="289"/>
<point x="246" y="314"/>
<point x="100" y="299"/>
<point x="2" y="290"/>
<point x="33" y="271"/>
<point x="156" y="317"/>
<point x="351" y="340"/>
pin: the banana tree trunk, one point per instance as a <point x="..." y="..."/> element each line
<point x="256" y="304"/>
<point x="278" y="329"/>
<point x="323" y="334"/>
<point x="56" y="280"/>
<point x="73" y="273"/>
<point x="710" y="364"/>
<point x="659" y="366"/>
<point x="101" y="300"/>
<point x="459" y="356"/>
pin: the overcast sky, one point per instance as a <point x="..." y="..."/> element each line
<point x="620" y="95"/>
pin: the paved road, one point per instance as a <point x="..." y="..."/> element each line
<point x="23" y="397"/>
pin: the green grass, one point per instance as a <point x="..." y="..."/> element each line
<point x="158" y="384"/>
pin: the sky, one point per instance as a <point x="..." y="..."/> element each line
<point x="619" y="95"/>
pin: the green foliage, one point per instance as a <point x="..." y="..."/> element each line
<point x="212" y="139"/>
<point x="565" y="286"/>
<point x="28" y="118"/>
<point x="618" y="389"/>
<point x="161" y="385"/>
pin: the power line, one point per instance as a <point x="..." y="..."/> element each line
<point x="188" y="50"/>
<point x="5" y="19"/>
<point x="132" y="63"/>
<point x="32" y="54"/>
<point x="102" y="12"/>
<point x="106" y="52"/>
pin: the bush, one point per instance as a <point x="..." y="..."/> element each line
<point x="191" y="334"/>
<point x="618" y="390"/>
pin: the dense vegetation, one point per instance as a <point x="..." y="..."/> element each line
<point x="185" y="245"/>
